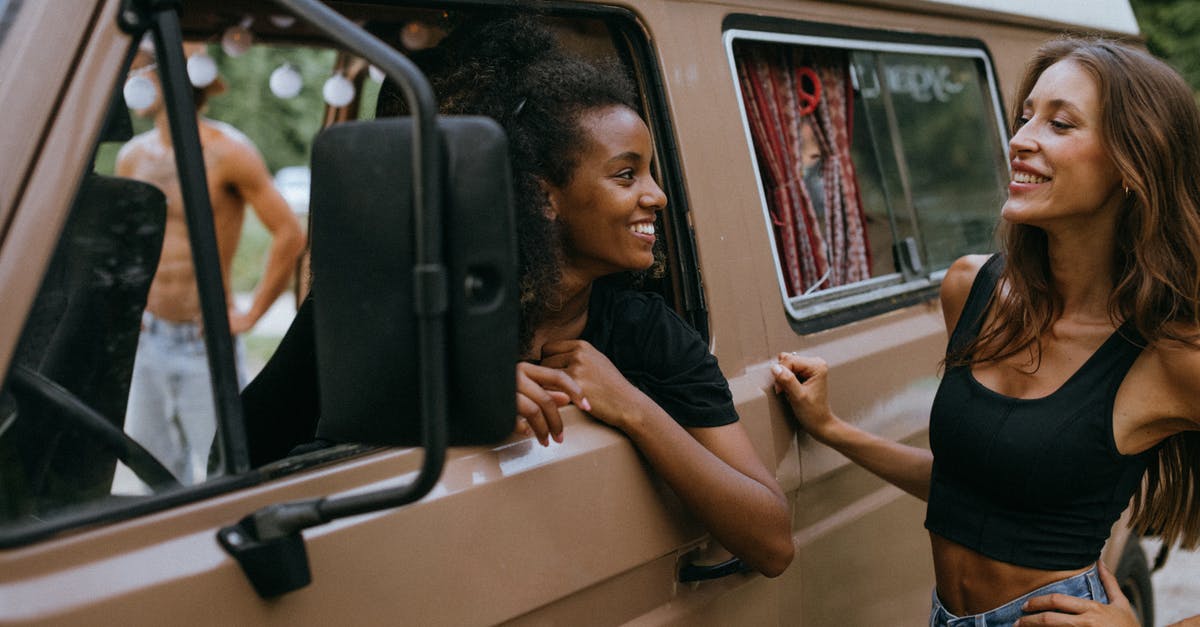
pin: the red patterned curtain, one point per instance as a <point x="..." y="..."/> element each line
<point x="822" y="249"/>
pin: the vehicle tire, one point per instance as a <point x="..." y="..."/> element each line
<point x="1133" y="575"/>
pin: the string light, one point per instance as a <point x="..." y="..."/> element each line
<point x="201" y="70"/>
<point x="338" y="91"/>
<point x="285" y="81"/>
<point x="237" y="39"/>
<point x="283" y="21"/>
<point x="416" y="36"/>
<point x="139" y="92"/>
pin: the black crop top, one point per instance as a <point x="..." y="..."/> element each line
<point x="1031" y="482"/>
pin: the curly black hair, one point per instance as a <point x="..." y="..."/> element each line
<point x="512" y="68"/>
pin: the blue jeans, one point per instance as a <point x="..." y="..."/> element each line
<point x="1085" y="585"/>
<point x="171" y="411"/>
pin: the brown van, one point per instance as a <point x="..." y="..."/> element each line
<point x="440" y="515"/>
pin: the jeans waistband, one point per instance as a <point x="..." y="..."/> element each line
<point x="174" y="331"/>
<point x="1085" y="585"/>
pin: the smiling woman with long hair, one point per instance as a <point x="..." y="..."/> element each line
<point x="1072" y="379"/>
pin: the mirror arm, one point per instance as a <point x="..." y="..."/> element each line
<point x="267" y="543"/>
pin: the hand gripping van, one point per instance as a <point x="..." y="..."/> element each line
<point x="438" y="514"/>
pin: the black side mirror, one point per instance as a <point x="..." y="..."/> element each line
<point x="366" y="294"/>
<point x="372" y="304"/>
<point x="387" y="252"/>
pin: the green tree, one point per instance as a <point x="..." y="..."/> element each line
<point x="282" y="129"/>
<point x="1172" y="32"/>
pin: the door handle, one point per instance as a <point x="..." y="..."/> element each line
<point x="701" y="572"/>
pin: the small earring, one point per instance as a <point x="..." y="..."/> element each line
<point x="1126" y="188"/>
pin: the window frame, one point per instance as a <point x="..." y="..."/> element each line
<point x="645" y="63"/>
<point x="834" y="307"/>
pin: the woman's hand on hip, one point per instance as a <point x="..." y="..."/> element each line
<point x="1062" y="609"/>
<point x="540" y="392"/>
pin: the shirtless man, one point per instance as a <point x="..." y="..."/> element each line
<point x="171" y="410"/>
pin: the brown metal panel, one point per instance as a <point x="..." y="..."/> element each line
<point x="508" y="530"/>
<point x="39" y="70"/>
<point x="70" y="54"/>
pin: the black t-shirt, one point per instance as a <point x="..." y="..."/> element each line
<point x="652" y="346"/>
<point x="660" y="354"/>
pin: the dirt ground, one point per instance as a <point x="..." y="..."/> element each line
<point x="1176" y="586"/>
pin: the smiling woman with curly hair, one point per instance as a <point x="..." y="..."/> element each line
<point x="587" y="203"/>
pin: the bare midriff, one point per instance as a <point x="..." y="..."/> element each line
<point x="971" y="583"/>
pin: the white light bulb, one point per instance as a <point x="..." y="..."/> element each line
<point x="237" y="39"/>
<point x="139" y="93"/>
<point x="202" y="70"/>
<point x="377" y="74"/>
<point x="416" y="36"/>
<point x="338" y="91"/>
<point x="285" y="81"/>
<point x="283" y="21"/>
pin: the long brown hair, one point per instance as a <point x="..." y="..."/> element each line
<point x="1151" y="126"/>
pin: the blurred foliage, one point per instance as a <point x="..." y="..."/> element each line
<point x="1172" y="32"/>
<point x="251" y="255"/>
<point x="282" y="129"/>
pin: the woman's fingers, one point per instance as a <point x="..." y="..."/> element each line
<point x="540" y="392"/>
<point x="801" y="378"/>
<point x="534" y="415"/>
<point x="1057" y="602"/>
<point x="556" y="380"/>
<point x="1063" y="609"/>
<point x="803" y="367"/>
<point x="804" y="383"/>
<point x="1056" y="609"/>
<point x="1050" y="619"/>
<point x="536" y="405"/>
<point x="1112" y="587"/>
<point x="793" y="371"/>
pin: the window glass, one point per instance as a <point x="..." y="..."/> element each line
<point x="64" y="401"/>
<point x="94" y="413"/>
<point x="110" y="396"/>
<point x="7" y="15"/>
<point x="948" y="144"/>
<point x="878" y="164"/>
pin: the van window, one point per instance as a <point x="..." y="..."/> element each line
<point x="878" y="164"/>
<point x="68" y="455"/>
<point x="109" y="401"/>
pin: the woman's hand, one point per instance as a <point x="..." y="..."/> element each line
<point x="617" y="401"/>
<point x="715" y="471"/>
<point x="804" y="380"/>
<point x="805" y="383"/>
<point x="1062" y="609"/>
<point x="540" y="392"/>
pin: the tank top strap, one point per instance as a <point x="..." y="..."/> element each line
<point x="1109" y="364"/>
<point x="970" y="321"/>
